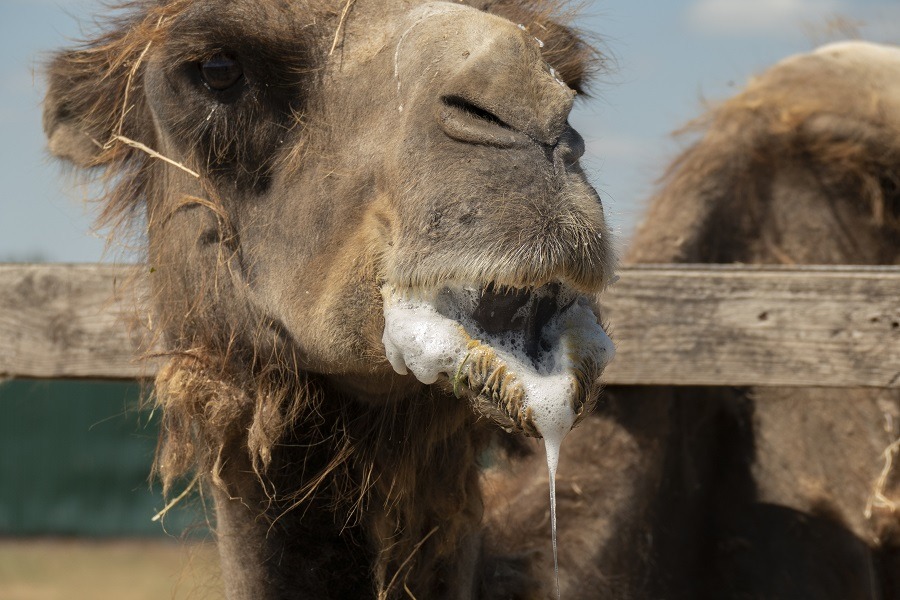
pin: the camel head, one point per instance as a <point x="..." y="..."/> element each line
<point x="309" y="169"/>
<point x="799" y="167"/>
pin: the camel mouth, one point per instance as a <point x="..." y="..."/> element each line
<point x="522" y="312"/>
<point x="528" y="358"/>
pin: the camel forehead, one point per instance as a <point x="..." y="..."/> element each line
<point x="373" y="25"/>
<point x="282" y="23"/>
<point x="358" y="18"/>
<point x="275" y="18"/>
<point x="346" y="33"/>
<point x="456" y="24"/>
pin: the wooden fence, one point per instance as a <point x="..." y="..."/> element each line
<point x="672" y="324"/>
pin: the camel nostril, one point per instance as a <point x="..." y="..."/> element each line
<point x="569" y="147"/>
<point x="471" y="123"/>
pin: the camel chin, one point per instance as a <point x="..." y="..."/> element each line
<point x="526" y="358"/>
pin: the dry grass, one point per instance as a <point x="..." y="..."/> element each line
<point x="107" y="570"/>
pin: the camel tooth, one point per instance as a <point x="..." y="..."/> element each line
<point x="494" y="377"/>
<point x="528" y="421"/>
<point x="519" y="395"/>
<point x="509" y="380"/>
<point x="483" y="362"/>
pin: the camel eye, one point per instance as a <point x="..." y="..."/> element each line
<point x="221" y="71"/>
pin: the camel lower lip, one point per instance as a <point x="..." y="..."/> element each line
<point x="513" y="353"/>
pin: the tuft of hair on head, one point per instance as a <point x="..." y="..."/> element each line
<point x="575" y="55"/>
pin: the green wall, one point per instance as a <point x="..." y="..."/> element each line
<point x="75" y="457"/>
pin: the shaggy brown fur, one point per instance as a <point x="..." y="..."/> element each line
<point x="811" y="158"/>
<point x="275" y="210"/>
<point x="764" y="493"/>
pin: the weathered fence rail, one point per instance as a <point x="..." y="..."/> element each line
<point x="680" y="325"/>
<point x="70" y="321"/>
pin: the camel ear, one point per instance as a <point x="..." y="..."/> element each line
<point x="87" y="92"/>
<point x="68" y="137"/>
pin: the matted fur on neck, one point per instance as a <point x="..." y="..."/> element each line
<point x="405" y="472"/>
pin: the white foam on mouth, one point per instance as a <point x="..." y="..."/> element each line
<point x="426" y="334"/>
<point x="418" y="338"/>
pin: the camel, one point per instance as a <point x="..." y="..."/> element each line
<point x="298" y="171"/>
<point x="775" y="493"/>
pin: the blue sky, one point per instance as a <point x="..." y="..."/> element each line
<point x="670" y="55"/>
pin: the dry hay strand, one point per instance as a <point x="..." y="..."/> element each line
<point x="340" y="25"/>
<point x="174" y="501"/>
<point x="155" y="154"/>
<point x="878" y="499"/>
<point x="384" y="594"/>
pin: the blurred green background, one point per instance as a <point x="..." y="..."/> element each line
<point x="75" y="460"/>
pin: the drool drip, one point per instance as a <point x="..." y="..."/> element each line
<point x="527" y="369"/>
<point x="551" y="468"/>
<point x="553" y="427"/>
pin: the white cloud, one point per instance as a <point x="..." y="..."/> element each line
<point x="754" y="17"/>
